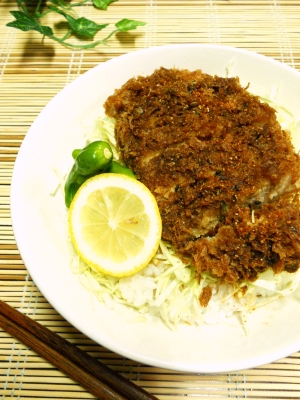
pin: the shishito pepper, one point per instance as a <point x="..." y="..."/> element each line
<point x="117" y="168"/>
<point x="95" y="158"/>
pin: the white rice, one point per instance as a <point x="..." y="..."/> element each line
<point x="168" y="289"/>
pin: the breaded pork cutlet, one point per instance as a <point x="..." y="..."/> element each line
<point x="224" y="174"/>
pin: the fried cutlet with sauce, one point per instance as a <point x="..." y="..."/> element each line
<point x="224" y="174"/>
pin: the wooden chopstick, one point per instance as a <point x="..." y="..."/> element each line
<point x="94" y="376"/>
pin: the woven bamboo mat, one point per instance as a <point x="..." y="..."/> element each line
<point x="32" y="71"/>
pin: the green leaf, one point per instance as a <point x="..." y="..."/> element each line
<point x="83" y="26"/>
<point x="128" y="24"/>
<point x="103" y="4"/>
<point x="31" y="13"/>
<point x="25" y="23"/>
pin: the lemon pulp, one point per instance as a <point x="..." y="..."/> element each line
<point x="115" y="225"/>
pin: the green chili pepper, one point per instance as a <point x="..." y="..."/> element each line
<point x="95" y="158"/>
<point x="117" y="168"/>
<point x="75" y="153"/>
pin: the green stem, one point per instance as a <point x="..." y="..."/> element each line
<point x="79" y="46"/>
<point x="79" y="4"/>
<point x="110" y="35"/>
<point x="84" y="46"/>
<point x="41" y="15"/>
<point x="23" y="8"/>
<point x="67" y="35"/>
<point x="38" y="7"/>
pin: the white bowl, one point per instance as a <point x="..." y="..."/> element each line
<point x="41" y="235"/>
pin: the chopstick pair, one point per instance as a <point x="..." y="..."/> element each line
<point x="94" y="376"/>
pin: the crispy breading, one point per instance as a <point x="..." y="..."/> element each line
<point x="224" y="173"/>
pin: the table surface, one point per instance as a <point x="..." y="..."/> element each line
<point x="32" y="70"/>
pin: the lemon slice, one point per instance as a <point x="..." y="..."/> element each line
<point x="115" y="225"/>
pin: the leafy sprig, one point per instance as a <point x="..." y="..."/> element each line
<point x="31" y="12"/>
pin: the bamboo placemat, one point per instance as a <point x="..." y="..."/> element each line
<point x="32" y="71"/>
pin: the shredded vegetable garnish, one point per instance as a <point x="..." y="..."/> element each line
<point x="104" y="129"/>
<point x="168" y="288"/>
